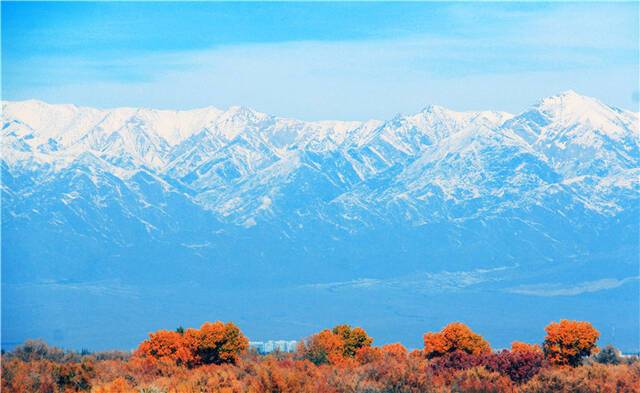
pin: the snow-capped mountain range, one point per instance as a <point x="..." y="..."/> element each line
<point x="238" y="162"/>
<point x="121" y="202"/>
<point x="122" y="174"/>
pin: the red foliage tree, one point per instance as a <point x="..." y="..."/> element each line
<point x="456" y="360"/>
<point x="519" y="366"/>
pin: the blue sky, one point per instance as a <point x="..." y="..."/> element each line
<point x="319" y="60"/>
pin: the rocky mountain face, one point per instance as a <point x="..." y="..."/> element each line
<point x="144" y="196"/>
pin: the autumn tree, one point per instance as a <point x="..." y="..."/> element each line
<point x="217" y="343"/>
<point x="369" y="355"/>
<point x="454" y="337"/>
<point x="339" y="345"/>
<point x="520" y="347"/>
<point x="321" y="348"/>
<point x="520" y="365"/>
<point x="213" y="343"/>
<point x="165" y="346"/>
<point x="567" y="342"/>
<point x="352" y="338"/>
<point x="456" y="360"/>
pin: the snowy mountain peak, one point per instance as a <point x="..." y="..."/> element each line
<point x="242" y="112"/>
<point x="570" y="104"/>
<point x="494" y="118"/>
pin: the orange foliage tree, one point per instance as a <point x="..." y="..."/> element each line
<point x="352" y="338"/>
<point x="455" y="336"/>
<point x="520" y="347"/>
<point x="567" y="342"/>
<point x="323" y="347"/>
<point x="335" y="346"/>
<point x="165" y="346"/>
<point x="217" y="343"/>
<point x="213" y="343"/>
<point x="368" y="355"/>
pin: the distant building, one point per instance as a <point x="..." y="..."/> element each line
<point x="257" y="346"/>
<point x="264" y="347"/>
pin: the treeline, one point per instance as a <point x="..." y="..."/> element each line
<point x="216" y="358"/>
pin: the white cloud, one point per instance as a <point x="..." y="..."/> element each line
<point x="548" y="290"/>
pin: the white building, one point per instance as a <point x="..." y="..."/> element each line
<point x="264" y="347"/>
